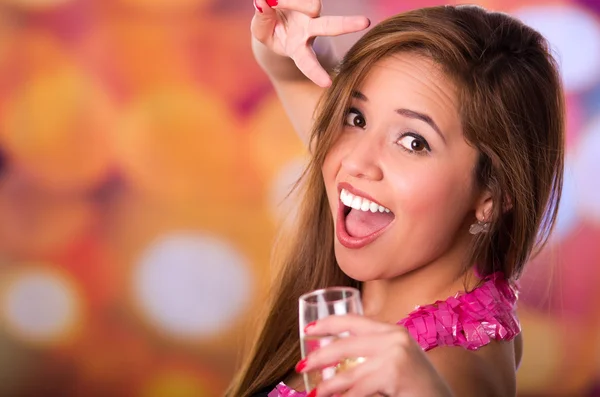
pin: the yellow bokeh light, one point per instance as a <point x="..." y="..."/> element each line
<point x="550" y="344"/>
<point x="542" y="355"/>
<point x="273" y="140"/>
<point x="56" y="127"/>
<point x="279" y="154"/>
<point x="179" y="380"/>
<point x="177" y="142"/>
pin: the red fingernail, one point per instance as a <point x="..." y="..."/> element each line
<point x="309" y="325"/>
<point x="257" y="7"/>
<point x="272" y="3"/>
<point x="301" y="365"/>
<point x="312" y="393"/>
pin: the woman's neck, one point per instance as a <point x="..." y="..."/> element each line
<point x="390" y="300"/>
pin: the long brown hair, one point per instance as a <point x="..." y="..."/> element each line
<point x="512" y="111"/>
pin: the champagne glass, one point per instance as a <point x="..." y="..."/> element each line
<point x="333" y="301"/>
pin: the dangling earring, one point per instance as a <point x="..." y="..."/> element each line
<point x="479" y="227"/>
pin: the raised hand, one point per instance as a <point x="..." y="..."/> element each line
<point x="289" y="27"/>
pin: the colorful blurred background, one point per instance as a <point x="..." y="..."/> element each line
<point x="144" y="160"/>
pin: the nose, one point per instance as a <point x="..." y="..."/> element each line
<point x="362" y="158"/>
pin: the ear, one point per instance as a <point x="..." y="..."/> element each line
<point x="484" y="206"/>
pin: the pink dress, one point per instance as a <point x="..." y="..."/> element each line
<point x="470" y="320"/>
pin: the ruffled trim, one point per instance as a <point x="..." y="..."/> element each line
<point x="282" y="390"/>
<point x="470" y="320"/>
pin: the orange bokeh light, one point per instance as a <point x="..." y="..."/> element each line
<point x="55" y="127"/>
<point x="272" y="139"/>
<point x="179" y="143"/>
<point x="179" y="378"/>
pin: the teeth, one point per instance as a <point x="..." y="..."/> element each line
<point x="360" y="203"/>
<point x="374" y="207"/>
<point x="343" y="195"/>
<point x="366" y="204"/>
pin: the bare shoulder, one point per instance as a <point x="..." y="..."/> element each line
<point x="489" y="371"/>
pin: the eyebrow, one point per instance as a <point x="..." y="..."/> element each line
<point x="411" y="114"/>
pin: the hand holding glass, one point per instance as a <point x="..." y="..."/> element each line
<point x="316" y="305"/>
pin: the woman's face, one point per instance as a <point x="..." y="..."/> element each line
<point x="403" y="166"/>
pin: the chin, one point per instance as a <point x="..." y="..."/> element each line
<point x="357" y="268"/>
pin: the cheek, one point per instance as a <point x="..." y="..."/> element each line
<point x="435" y="195"/>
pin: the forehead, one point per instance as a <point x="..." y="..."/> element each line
<point x="413" y="81"/>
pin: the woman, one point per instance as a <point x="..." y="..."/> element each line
<point x="436" y="171"/>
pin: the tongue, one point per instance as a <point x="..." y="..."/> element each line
<point x="364" y="223"/>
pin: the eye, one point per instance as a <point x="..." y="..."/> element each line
<point x="354" y="118"/>
<point x="414" y="143"/>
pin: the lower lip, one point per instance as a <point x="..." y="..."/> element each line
<point x="349" y="241"/>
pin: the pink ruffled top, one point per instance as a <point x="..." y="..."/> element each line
<point x="470" y="320"/>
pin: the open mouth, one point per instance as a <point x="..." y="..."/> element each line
<point x="361" y="220"/>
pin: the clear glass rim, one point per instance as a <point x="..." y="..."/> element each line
<point x="352" y="294"/>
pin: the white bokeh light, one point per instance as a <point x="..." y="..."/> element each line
<point x="586" y="168"/>
<point x="567" y="210"/>
<point x="283" y="206"/>
<point x="574" y="34"/>
<point x="192" y="285"/>
<point x="40" y="306"/>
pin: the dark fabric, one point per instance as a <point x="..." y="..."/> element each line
<point x="264" y="392"/>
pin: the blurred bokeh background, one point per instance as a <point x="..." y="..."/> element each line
<point x="144" y="159"/>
